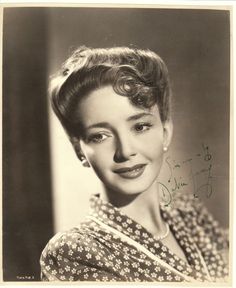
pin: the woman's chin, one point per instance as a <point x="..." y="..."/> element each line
<point x="129" y="190"/>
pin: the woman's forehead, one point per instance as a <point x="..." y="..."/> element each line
<point x="104" y="104"/>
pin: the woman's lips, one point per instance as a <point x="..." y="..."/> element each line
<point x="131" y="172"/>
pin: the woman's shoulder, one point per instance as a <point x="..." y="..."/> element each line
<point x="194" y="209"/>
<point x="187" y="202"/>
<point x="68" y="241"/>
<point x="66" y="252"/>
<point x="62" y="239"/>
<point x="201" y="222"/>
<point x="75" y="254"/>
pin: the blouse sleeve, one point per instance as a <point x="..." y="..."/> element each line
<point x="68" y="259"/>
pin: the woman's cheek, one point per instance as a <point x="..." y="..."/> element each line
<point x="101" y="154"/>
<point x="152" y="143"/>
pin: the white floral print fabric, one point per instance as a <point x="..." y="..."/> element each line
<point x="91" y="253"/>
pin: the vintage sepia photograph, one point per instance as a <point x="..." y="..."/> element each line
<point x="116" y="144"/>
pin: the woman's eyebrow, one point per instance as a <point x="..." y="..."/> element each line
<point x="99" y="125"/>
<point x="139" y="115"/>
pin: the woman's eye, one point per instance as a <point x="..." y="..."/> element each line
<point x="141" y="127"/>
<point x="97" y="138"/>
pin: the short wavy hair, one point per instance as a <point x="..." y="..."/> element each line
<point x="140" y="75"/>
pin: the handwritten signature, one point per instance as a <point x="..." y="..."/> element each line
<point x="198" y="180"/>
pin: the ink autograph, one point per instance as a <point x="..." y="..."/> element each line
<point x="198" y="180"/>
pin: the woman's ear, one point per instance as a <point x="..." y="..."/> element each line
<point x="76" y="144"/>
<point x="167" y="134"/>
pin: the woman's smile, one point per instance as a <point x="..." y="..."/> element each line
<point x="131" y="172"/>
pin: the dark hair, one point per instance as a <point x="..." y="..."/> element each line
<point x="141" y="75"/>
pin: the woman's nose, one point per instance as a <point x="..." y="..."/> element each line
<point x="124" y="149"/>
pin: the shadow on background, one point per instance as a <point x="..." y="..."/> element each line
<point x="27" y="201"/>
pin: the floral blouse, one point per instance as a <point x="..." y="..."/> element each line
<point x="109" y="246"/>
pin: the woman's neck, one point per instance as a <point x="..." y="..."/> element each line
<point x="144" y="208"/>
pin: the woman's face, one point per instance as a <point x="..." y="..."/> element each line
<point x="122" y="143"/>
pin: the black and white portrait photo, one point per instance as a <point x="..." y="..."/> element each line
<point x="117" y="144"/>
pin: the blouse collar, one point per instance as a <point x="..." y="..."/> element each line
<point x="112" y="216"/>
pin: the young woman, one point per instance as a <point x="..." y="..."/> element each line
<point x="115" y="107"/>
